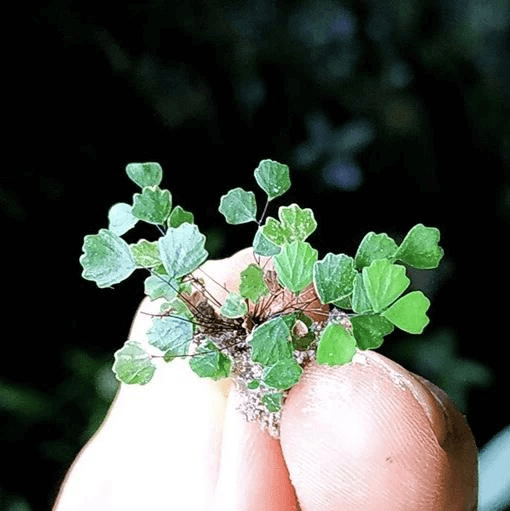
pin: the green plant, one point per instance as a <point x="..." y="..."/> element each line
<point x="280" y="319"/>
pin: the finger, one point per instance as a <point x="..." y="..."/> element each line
<point x="371" y="436"/>
<point x="253" y="475"/>
<point x="159" y="445"/>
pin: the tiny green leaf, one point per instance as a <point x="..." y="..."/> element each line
<point x="384" y="283"/>
<point x="420" y="247"/>
<point x="179" y="216"/>
<point x="238" y="206"/>
<point x="253" y="384"/>
<point x="374" y="246"/>
<point x="153" y="205"/>
<point x="270" y="342"/>
<point x="295" y="224"/>
<point x="234" y="306"/>
<point x="121" y="219"/>
<point x="210" y="362"/>
<point x="409" y="313"/>
<point x="273" y="401"/>
<point x="182" y="249"/>
<point x="294" y="265"/>
<point x="161" y="286"/>
<point x="107" y="258"/>
<point x="262" y="246"/>
<point x="273" y="178"/>
<point x="333" y="277"/>
<point x="145" y="174"/>
<point x="253" y="286"/>
<point x="145" y="253"/>
<point x="336" y="346"/>
<point x="369" y="331"/>
<point x="171" y="334"/>
<point x="133" y="364"/>
<point x="283" y="375"/>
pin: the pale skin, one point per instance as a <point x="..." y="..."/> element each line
<point x="367" y="436"/>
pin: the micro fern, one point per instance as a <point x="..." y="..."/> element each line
<point x="249" y="335"/>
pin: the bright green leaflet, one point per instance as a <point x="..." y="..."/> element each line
<point x="273" y="178"/>
<point x="384" y="283"/>
<point x="273" y="401"/>
<point x="333" y="277"/>
<point x="409" y="313"/>
<point x="262" y="246"/>
<point x="295" y="224"/>
<point x="152" y="205"/>
<point x="238" y="206"/>
<point x="210" y="362"/>
<point x="161" y="286"/>
<point x="283" y="375"/>
<point x="234" y="306"/>
<point x="121" y="219"/>
<point x="146" y="254"/>
<point x="145" y="174"/>
<point x="369" y="331"/>
<point x="294" y="265"/>
<point x="171" y="334"/>
<point x="253" y="285"/>
<point x="270" y="342"/>
<point x="420" y="247"/>
<point x="182" y="249"/>
<point x="336" y="346"/>
<point x="375" y="246"/>
<point x="179" y="216"/>
<point x="107" y="259"/>
<point x="133" y="364"/>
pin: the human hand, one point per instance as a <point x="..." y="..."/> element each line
<point x="369" y="435"/>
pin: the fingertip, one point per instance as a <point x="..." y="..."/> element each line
<point x="363" y="436"/>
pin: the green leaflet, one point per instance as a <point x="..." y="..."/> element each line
<point x="121" y="219"/>
<point x="161" y="286"/>
<point x="262" y="246"/>
<point x="133" y="364"/>
<point x="409" y="313"/>
<point x="152" y="205"/>
<point x="182" y="249"/>
<point x="273" y="401"/>
<point x="336" y="346"/>
<point x="171" y="334"/>
<point x="179" y="216"/>
<point x="234" y="306"/>
<point x="270" y="342"/>
<point x="294" y="265"/>
<point x="384" y="283"/>
<point x="210" y="362"/>
<point x="106" y="258"/>
<point x="238" y="206"/>
<point x="253" y="285"/>
<point x="145" y="174"/>
<point x="375" y="246"/>
<point x="273" y="178"/>
<point x="146" y="254"/>
<point x="369" y="331"/>
<point x="283" y="375"/>
<point x="420" y="247"/>
<point x="333" y="277"/>
<point x="295" y="224"/>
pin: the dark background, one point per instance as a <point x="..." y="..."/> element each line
<point x="388" y="114"/>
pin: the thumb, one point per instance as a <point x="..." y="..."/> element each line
<point x="370" y="435"/>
